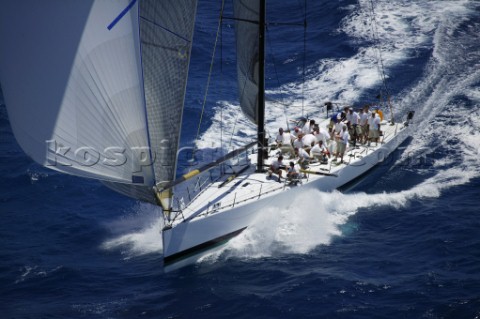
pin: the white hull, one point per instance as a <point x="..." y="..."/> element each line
<point x="187" y="240"/>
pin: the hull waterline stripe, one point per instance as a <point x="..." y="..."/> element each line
<point x="201" y="248"/>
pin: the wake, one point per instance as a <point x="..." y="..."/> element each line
<point x="447" y="122"/>
<point x="299" y="229"/>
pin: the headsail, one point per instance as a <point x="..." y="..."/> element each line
<point x="73" y="88"/>
<point x="246" y="14"/>
<point x="166" y="32"/>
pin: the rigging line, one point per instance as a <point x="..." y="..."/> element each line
<point x="276" y="76"/>
<point x="221" y="76"/>
<point x="210" y="71"/>
<point x="376" y="38"/>
<point x="274" y="23"/>
<point x="164" y="28"/>
<point x="233" y="130"/>
<point x="244" y="85"/>
<point x="274" y="101"/>
<point x="236" y="116"/>
<point x="237" y="113"/>
<point x="377" y="41"/>
<point x="241" y="20"/>
<point x="304" y="52"/>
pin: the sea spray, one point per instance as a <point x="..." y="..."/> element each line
<point x="314" y="218"/>
<point x="137" y="233"/>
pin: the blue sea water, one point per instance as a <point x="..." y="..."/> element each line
<point x="404" y="243"/>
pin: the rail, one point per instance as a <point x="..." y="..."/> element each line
<point x="217" y="207"/>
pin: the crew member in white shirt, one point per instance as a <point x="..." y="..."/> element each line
<point x="319" y="151"/>
<point x="303" y="157"/>
<point x="322" y="134"/>
<point x="276" y="167"/>
<point x="284" y="143"/>
<point x="373" y="128"/>
<point x="308" y="140"/>
<point x="308" y="127"/>
<point x="354" y="121"/>
<point x="292" y="171"/>
<point x="342" y="142"/>
<point x="363" y="124"/>
<point x="338" y="126"/>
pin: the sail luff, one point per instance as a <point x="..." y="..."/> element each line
<point x="142" y="84"/>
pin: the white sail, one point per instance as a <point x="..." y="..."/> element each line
<point x="72" y="80"/>
<point x="246" y="13"/>
<point x="166" y="32"/>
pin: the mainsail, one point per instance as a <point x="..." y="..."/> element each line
<point x="246" y="14"/>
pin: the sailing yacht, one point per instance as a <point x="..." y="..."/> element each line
<point x="96" y="89"/>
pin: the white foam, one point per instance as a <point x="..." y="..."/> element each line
<point x="314" y="218"/>
<point x="29" y="272"/>
<point x="401" y="28"/>
<point x="441" y="124"/>
<point x="444" y="125"/>
<point x="137" y="233"/>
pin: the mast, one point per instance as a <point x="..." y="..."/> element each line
<point x="261" y="86"/>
